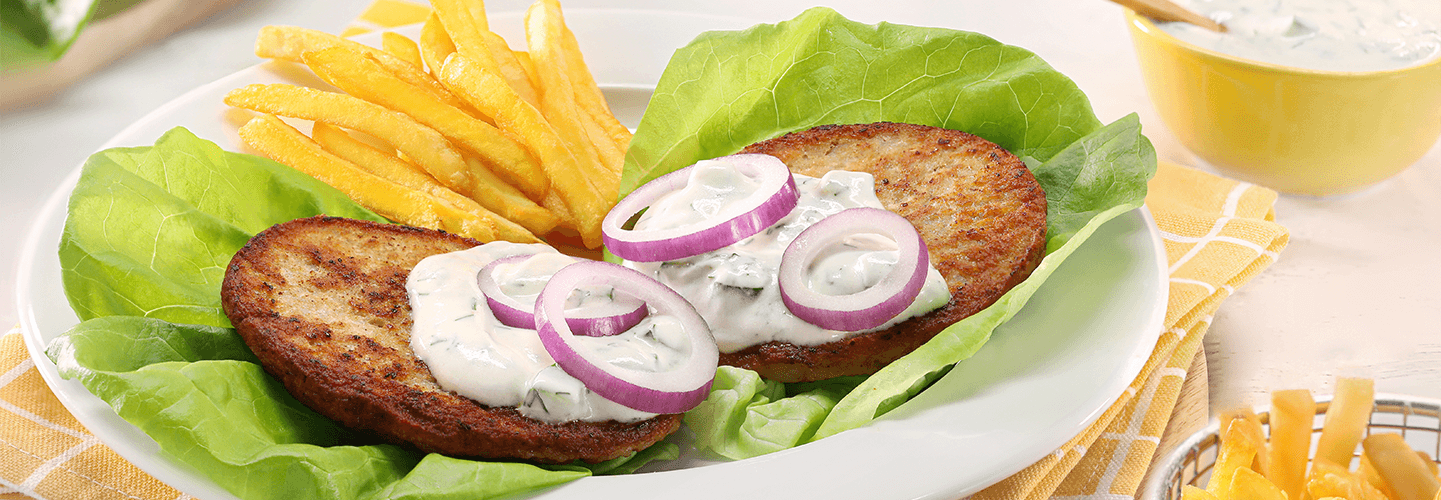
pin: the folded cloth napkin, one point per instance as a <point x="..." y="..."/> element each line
<point x="1218" y="234"/>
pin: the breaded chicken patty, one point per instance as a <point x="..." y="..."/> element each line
<point x="322" y="302"/>
<point x="980" y="211"/>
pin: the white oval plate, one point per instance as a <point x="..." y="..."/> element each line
<point x="1043" y="377"/>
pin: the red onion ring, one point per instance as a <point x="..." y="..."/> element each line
<point x="865" y="309"/>
<point x="670" y="391"/>
<point x="775" y="198"/>
<point x="614" y="317"/>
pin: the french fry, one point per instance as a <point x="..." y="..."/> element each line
<point x="588" y="94"/>
<point x="1346" y="420"/>
<point x="1368" y="473"/>
<point x="611" y="157"/>
<point x="1189" y="492"/>
<point x="1400" y="468"/>
<point x="466" y="25"/>
<point x="362" y="77"/>
<point x="1249" y="485"/>
<point x="506" y="200"/>
<point x="428" y="147"/>
<point x="476" y="8"/>
<point x="542" y="31"/>
<point x="1331" y="480"/>
<point x="1238" y="449"/>
<point x="1292" y="414"/>
<point x="523" y="58"/>
<point x="1253" y="429"/>
<point x="584" y="204"/>
<point x="393" y="169"/>
<point x="401" y="47"/>
<point x="284" y="144"/>
<point x="510" y="68"/>
<point x="505" y="61"/>
<point x="290" y="43"/>
<point x="1430" y="464"/>
<point x="435" y="44"/>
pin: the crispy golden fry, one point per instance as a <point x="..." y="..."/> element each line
<point x="1367" y="472"/>
<point x="1252" y="426"/>
<point x="1400" y="468"/>
<point x="523" y="58"/>
<point x="402" y="48"/>
<point x="556" y="205"/>
<point x="611" y="157"/>
<point x="362" y="77"/>
<point x="1430" y="464"/>
<point x="290" y="43"/>
<point x="467" y="29"/>
<point x="1330" y="480"/>
<point x="435" y="44"/>
<point x="588" y="94"/>
<point x="394" y="169"/>
<point x="1292" y="414"/>
<point x="463" y="30"/>
<point x="1249" y="485"/>
<point x="1346" y="420"/>
<point x="284" y="144"/>
<point x="542" y="31"/>
<point x="510" y="68"/>
<point x="476" y="8"/>
<point x="518" y="215"/>
<point x="422" y="143"/>
<point x="1189" y="492"/>
<point x="1238" y="449"/>
<point x="495" y="194"/>
<point x="479" y="35"/>
<point x="585" y="204"/>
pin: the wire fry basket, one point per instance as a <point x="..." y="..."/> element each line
<point x="1416" y="419"/>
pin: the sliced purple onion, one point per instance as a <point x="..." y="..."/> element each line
<point x="865" y="309"/>
<point x="671" y="391"/>
<point x="611" y="318"/>
<point x="775" y="198"/>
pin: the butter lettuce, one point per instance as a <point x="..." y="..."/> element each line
<point x="149" y="233"/>
<point x="727" y="90"/>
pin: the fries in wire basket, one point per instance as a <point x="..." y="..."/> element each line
<point x="1249" y="467"/>
<point x="453" y="130"/>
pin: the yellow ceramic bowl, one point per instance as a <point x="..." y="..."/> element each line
<point x="1295" y="130"/>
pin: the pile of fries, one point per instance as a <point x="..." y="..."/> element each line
<point x="1249" y="468"/>
<point x="455" y="131"/>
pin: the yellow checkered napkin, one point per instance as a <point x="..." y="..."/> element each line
<point x="1218" y="235"/>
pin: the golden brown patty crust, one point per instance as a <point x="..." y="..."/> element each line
<point x="980" y="211"/>
<point x="322" y="302"/>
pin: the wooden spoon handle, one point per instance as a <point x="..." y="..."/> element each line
<point x="1168" y="11"/>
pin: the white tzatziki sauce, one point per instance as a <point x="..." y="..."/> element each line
<point x="473" y="354"/>
<point x="735" y="288"/>
<point x="1328" y="35"/>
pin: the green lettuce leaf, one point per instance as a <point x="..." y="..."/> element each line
<point x="727" y="90"/>
<point x="151" y="229"/>
<point x="198" y="391"/>
<point x="149" y="233"/>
